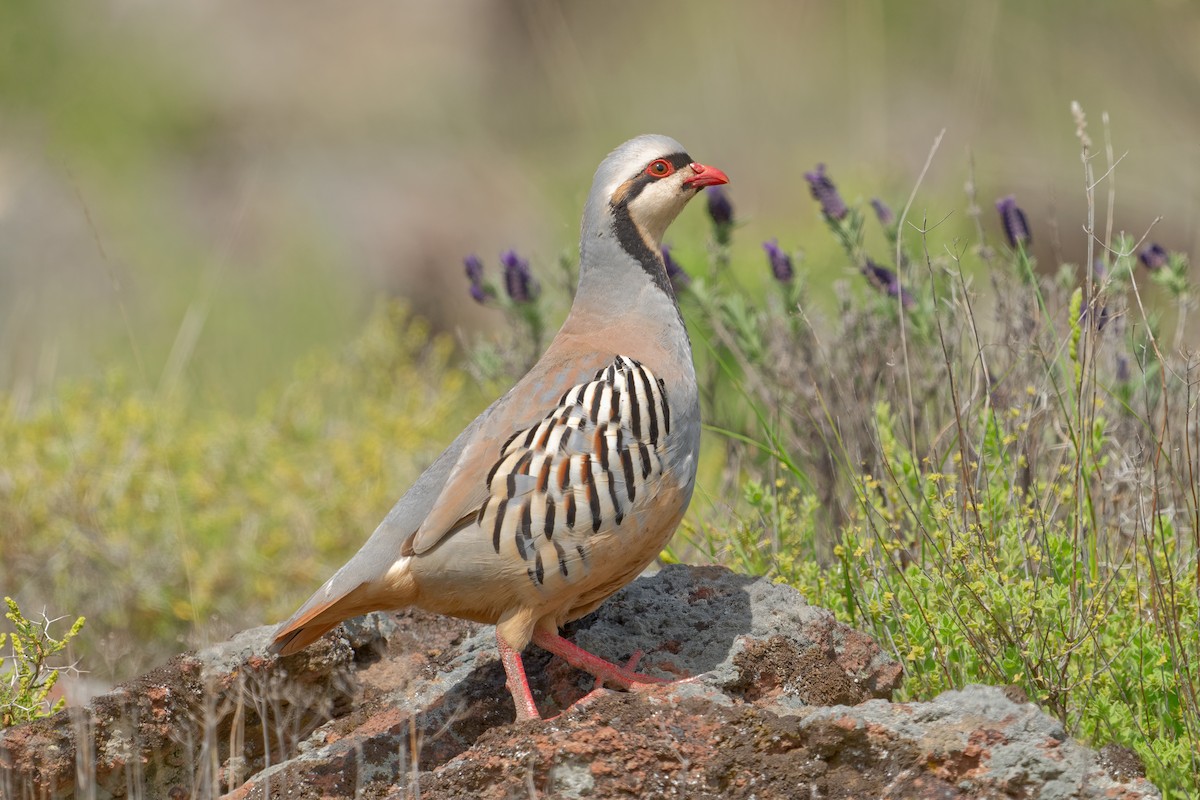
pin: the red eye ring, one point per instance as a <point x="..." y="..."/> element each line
<point x="660" y="168"/>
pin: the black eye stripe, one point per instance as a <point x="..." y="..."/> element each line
<point x="644" y="178"/>
<point x="677" y="160"/>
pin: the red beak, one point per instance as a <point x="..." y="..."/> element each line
<point x="705" y="176"/>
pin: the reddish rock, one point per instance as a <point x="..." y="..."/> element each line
<point x="784" y="702"/>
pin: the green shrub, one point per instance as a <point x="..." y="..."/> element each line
<point x="170" y="524"/>
<point x="25" y="688"/>
<point x="1008" y="496"/>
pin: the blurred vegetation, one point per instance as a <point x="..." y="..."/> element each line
<point x="208" y="191"/>
<point x="174" y="526"/>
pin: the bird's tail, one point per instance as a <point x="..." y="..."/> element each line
<point x="321" y="613"/>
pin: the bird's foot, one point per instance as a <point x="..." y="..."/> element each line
<point x="605" y="672"/>
<point x="624" y="676"/>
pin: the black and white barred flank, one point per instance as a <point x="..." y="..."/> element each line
<point x="580" y="469"/>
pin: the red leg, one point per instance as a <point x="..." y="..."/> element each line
<point x="517" y="683"/>
<point x="604" y="671"/>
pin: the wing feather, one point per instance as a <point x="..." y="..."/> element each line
<point x="466" y="489"/>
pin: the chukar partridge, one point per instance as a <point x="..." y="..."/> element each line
<point x="565" y="488"/>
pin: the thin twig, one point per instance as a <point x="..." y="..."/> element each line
<point x="912" y="196"/>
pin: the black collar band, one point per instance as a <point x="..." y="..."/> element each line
<point x="631" y="239"/>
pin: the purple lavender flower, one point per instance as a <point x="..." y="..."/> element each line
<point x="475" y="275"/>
<point x="518" y="280"/>
<point x="679" y="278"/>
<point x="1153" y="257"/>
<point x="883" y="213"/>
<point x="719" y="207"/>
<point x="825" y="193"/>
<point x="1016" y="228"/>
<point x="887" y="282"/>
<point x="781" y="262"/>
<point x="474" y="268"/>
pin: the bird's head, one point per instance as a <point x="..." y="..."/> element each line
<point x="644" y="184"/>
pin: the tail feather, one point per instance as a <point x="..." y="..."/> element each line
<point x="294" y="640"/>
<point x="314" y="620"/>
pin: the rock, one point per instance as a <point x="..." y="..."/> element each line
<point x="785" y="701"/>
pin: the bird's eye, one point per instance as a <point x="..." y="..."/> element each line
<point x="660" y="168"/>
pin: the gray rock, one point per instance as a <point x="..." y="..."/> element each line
<point x="778" y="699"/>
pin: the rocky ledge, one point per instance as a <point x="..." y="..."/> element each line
<point x="783" y="701"/>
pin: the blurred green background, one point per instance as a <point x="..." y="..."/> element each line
<point x="199" y="195"/>
<point x="203" y="191"/>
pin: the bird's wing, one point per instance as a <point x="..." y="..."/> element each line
<point x="468" y="487"/>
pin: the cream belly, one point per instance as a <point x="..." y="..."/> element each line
<point x="472" y="581"/>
